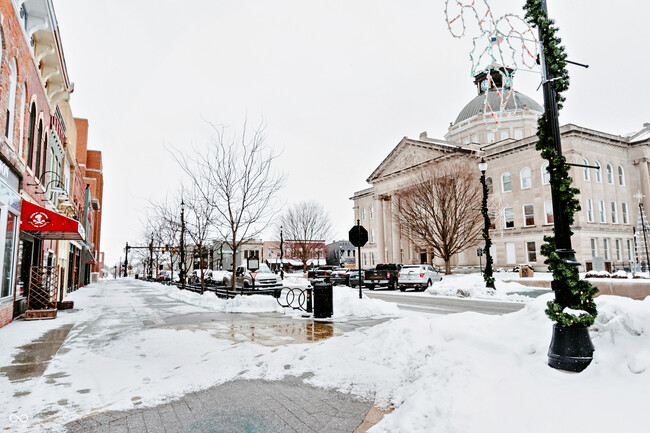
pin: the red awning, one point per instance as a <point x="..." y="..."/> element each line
<point x="48" y="224"/>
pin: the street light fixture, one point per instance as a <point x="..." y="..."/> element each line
<point x="487" y="275"/>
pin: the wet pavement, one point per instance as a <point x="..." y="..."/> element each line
<point x="288" y="405"/>
<point x="251" y="406"/>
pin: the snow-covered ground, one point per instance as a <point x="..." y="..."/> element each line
<point x="463" y="372"/>
<point x="473" y="286"/>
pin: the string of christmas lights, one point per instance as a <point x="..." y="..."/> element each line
<point x="507" y="42"/>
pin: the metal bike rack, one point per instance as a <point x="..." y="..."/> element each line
<point x="297" y="298"/>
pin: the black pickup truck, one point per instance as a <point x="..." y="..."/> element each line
<point x="384" y="274"/>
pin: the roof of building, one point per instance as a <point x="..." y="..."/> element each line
<point x="477" y="105"/>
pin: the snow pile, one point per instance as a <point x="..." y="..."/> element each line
<point x="347" y="303"/>
<point x="293" y="280"/>
<point x="238" y="304"/>
<point x="473" y="286"/>
<point x="471" y="372"/>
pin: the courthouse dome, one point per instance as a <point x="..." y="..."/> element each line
<point x="517" y="101"/>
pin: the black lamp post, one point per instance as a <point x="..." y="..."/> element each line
<point x="571" y="347"/>
<point x="487" y="275"/>
<point x="182" y="267"/>
<point x="151" y="257"/>
<point x="281" y="254"/>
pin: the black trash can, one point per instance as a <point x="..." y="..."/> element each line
<point x="323" y="303"/>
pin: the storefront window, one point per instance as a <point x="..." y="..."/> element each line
<point x="8" y="262"/>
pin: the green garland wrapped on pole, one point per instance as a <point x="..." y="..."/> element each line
<point x="573" y="305"/>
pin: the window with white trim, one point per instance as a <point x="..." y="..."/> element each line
<point x="504" y="135"/>
<point x="610" y="174"/>
<point x="372" y="236"/>
<point x="585" y="170"/>
<point x="590" y="211"/>
<point x="365" y="260"/>
<point x="525" y="178"/>
<point x="599" y="175"/>
<point x="506" y="185"/>
<point x="548" y="211"/>
<point x="372" y="259"/>
<point x="519" y="134"/>
<point x="529" y="215"/>
<point x="490" y="186"/>
<point x="626" y="215"/>
<point x="606" y="248"/>
<point x="372" y="212"/>
<point x="594" y="247"/>
<point x="508" y="218"/>
<point x="21" y="126"/>
<point x="363" y="214"/>
<point x="630" y="251"/>
<point x="621" y="176"/>
<point x="530" y="252"/>
<point x="619" y="254"/>
<point x="546" y="176"/>
<point x="11" y="102"/>
<point x="614" y="212"/>
<point x="601" y="211"/>
<point x="490" y="137"/>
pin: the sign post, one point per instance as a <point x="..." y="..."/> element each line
<point x="253" y="264"/>
<point x="479" y="253"/>
<point x="358" y="236"/>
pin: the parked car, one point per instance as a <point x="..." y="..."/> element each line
<point x="418" y="277"/>
<point x="353" y="277"/>
<point x="341" y="276"/>
<point x="264" y="279"/>
<point x="384" y="274"/>
<point x="194" y="277"/>
<point x="164" y="276"/>
<point x="320" y="273"/>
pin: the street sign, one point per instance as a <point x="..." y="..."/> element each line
<point x="479" y="252"/>
<point x="253" y="263"/>
<point x="253" y="275"/>
<point x="358" y="236"/>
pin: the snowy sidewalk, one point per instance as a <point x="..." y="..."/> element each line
<point x="131" y="345"/>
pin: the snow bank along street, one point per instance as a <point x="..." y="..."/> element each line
<point x="129" y="344"/>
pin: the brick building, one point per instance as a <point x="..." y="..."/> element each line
<point x="42" y="186"/>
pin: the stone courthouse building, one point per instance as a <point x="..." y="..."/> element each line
<point x="520" y="194"/>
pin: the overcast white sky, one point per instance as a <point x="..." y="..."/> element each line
<point x="338" y="83"/>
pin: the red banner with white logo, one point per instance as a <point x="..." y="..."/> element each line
<point x="49" y="224"/>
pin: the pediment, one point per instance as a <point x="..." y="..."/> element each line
<point x="407" y="154"/>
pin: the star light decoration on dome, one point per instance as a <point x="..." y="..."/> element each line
<point x="497" y="47"/>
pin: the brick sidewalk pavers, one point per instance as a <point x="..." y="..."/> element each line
<point x="242" y="406"/>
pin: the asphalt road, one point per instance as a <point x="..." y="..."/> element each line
<point x="423" y="303"/>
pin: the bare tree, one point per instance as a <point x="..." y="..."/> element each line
<point x="306" y="225"/>
<point x="441" y="209"/>
<point x="235" y="176"/>
<point x="168" y="214"/>
<point x="199" y="222"/>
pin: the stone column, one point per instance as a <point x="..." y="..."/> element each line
<point x="379" y="231"/>
<point x="396" y="235"/>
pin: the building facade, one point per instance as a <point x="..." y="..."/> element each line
<point x="520" y="194"/>
<point x="41" y="187"/>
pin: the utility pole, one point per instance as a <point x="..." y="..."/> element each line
<point x="126" y="260"/>
<point x="182" y="245"/>
<point x="151" y="258"/>
<point x="281" y="254"/>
